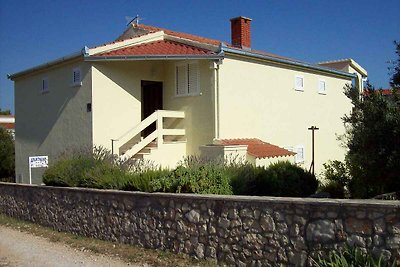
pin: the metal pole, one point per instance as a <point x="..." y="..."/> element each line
<point x="112" y="146"/>
<point x="313" y="129"/>
<point x="30" y="171"/>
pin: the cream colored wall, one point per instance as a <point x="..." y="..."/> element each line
<point x="265" y="162"/>
<point x="49" y="123"/>
<point x="259" y="101"/>
<point x="199" y="109"/>
<point x="117" y="97"/>
<point x="168" y="155"/>
<point x="117" y="100"/>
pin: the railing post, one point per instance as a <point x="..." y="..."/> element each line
<point x="159" y="128"/>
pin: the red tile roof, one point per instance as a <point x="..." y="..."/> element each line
<point x="7" y="125"/>
<point x="203" y="40"/>
<point x="385" y="92"/>
<point x="258" y="148"/>
<point x="158" y="48"/>
<point x="181" y="35"/>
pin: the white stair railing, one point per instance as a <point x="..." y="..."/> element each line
<point x="158" y="117"/>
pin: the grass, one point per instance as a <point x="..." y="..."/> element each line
<point x="127" y="253"/>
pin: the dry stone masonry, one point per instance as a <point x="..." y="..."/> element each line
<point x="241" y="231"/>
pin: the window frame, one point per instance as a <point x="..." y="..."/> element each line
<point x="297" y="88"/>
<point x="297" y="159"/>
<point x="187" y="79"/>
<point x="319" y="87"/>
<point x="76" y="83"/>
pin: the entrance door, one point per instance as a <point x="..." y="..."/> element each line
<point x="152" y="100"/>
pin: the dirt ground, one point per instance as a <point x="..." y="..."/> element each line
<point x="23" y="249"/>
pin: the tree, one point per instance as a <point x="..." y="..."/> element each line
<point x="395" y="76"/>
<point x="5" y="112"/>
<point x="373" y="142"/>
<point x="7" y="155"/>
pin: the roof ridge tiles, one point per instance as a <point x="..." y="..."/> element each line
<point x="159" y="47"/>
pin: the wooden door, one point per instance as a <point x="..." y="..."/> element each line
<point x="152" y="100"/>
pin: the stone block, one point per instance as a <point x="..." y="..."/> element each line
<point x="320" y="231"/>
<point x="358" y="226"/>
<point x="193" y="216"/>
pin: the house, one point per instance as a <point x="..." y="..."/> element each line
<point x="161" y="95"/>
<point x="8" y="122"/>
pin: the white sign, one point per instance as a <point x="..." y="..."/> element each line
<point x="37" y="162"/>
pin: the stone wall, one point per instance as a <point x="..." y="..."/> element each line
<point x="259" y="231"/>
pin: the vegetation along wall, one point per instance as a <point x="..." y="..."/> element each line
<point x="237" y="230"/>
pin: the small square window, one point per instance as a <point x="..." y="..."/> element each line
<point x="299" y="83"/>
<point x="76" y="77"/>
<point x="45" y="85"/>
<point x="322" y="87"/>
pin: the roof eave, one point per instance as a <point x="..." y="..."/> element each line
<point x="288" y="62"/>
<point x="48" y="64"/>
<point x="151" y="57"/>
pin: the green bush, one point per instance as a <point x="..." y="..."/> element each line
<point x="86" y="168"/>
<point x="7" y="162"/>
<point x="352" y="256"/>
<point x="143" y="181"/>
<point x="279" y="179"/>
<point x="243" y="178"/>
<point x="205" y="179"/>
<point x="334" y="189"/>
<point x="98" y="169"/>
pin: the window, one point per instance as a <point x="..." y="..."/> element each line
<point x="76" y="77"/>
<point x="322" y="87"/>
<point x="187" y="79"/>
<point x="45" y="85"/>
<point x="299" y="83"/>
<point x="299" y="154"/>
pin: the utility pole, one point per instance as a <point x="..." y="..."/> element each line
<point x="313" y="129"/>
<point x="112" y="146"/>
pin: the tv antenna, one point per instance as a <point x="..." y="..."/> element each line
<point x="134" y="21"/>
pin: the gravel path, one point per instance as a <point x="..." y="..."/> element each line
<point x="22" y="249"/>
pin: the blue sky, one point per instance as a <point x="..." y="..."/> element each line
<point x="34" y="32"/>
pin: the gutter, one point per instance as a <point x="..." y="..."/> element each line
<point x="150" y="57"/>
<point x="83" y="52"/>
<point x="286" y="61"/>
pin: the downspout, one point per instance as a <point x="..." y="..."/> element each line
<point x="215" y="67"/>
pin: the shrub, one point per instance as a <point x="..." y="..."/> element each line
<point x="336" y="179"/>
<point x="205" y="179"/>
<point x="334" y="189"/>
<point x="279" y="179"/>
<point x="243" y="178"/>
<point x="88" y="167"/>
<point x="288" y="179"/>
<point x="143" y="181"/>
<point x="7" y="163"/>
<point x="352" y="256"/>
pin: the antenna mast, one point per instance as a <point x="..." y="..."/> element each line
<point x="134" y="21"/>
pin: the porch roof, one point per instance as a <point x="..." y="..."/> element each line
<point x="161" y="47"/>
<point x="7" y="125"/>
<point x="258" y="148"/>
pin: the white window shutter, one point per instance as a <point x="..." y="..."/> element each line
<point x="181" y="80"/>
<point x="76" y="76"/>
<point x="193" y="74"/>
<point x="299" y="83"/>
<point x="322" y="87"/>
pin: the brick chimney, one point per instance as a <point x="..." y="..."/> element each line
<point x="240" y="31"/>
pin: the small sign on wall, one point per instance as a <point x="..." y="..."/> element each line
<point x="37" y="162"/>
